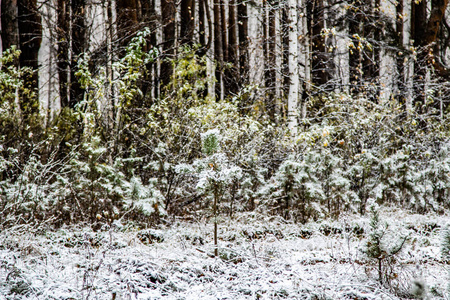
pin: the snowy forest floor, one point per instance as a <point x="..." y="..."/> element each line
<point x="259" y="258"/>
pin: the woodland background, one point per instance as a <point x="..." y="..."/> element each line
<point x="143" y="110"/>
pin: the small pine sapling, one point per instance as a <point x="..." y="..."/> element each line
<point x="376" y="247"/>
<point x="210" y="143"/>
<point x="214" y="172"/>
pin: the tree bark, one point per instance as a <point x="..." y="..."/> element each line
<point x="10" y="25"/>
<point x="243" y="43"/>
<point x="400" y="56"/>
<point x="127" y="21"/>
<point x="316" y="22"/>
<point x="294" y="77"/>
<point x="231" y="75"/>
<point x="30" y="37"/>
<point x="79" y="46"/>
<point x="270" y="69"/>
<point x="63" y="38"/>
<point x="218" y="48"/>
<point x="256" y="52"/>
<point x="418" y="30"/>
<point x="168" y="12"/>
<point x="187" y="14"/>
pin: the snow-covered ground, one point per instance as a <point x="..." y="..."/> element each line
<point x="260" y="258"/>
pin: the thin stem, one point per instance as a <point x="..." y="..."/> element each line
<point x="216" y="251"/>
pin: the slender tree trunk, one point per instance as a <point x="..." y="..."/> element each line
<point x="231" y="76"/>
<point x="210" y="49"/>
<point x="294" y="83"/>
<point x="305" y="57"/>
<point x="271" y="98"/>
<point x="316" y="22"/>
<point x="243" y="49"/>
<point x="215" y="212"/>
<point x="218" y="47"/>
<point x="63" y="37"/>
<point x="400" y="57"/>
<point x="418" y="30"/>
<point x="278" y="46"/>
<point x="78" y="47"/>
<point x="201" y="23"/>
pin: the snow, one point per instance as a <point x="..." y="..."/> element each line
<point x="260" y="258"/>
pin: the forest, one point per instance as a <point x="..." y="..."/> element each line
<point x="316" y="107"/>
<point x="149" y="112"/>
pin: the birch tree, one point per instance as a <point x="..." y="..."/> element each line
<point x="255" y="49"/>
<point x="294" y="78"/>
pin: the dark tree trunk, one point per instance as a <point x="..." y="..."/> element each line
<point x="400" y="58"/>
<point x="316" y="22"/>
<point x="127" y="21"/>
<point x="437" y="13"/>
<point x="418" y="32"/>
<point x="424" y="31"/>
<point x="187" y="21"/>
<point x="285" y="42"/>
<point x="168" y="22"/>
<point x="72" y="42"/>
<point x="10" y="25"/>
<point x="243" y="43"/>
<point x="218" y="45"/>
<point x="231" y="77"/>
<point x="201" y="22"/>
<point x="79" y="46"/>
<point x="30" y="36"/>
<point x="270" y="49"/>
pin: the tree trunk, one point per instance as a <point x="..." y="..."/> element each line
<point x="127" y="21"/>
<point x="30" y="36"/>
<point x="270" y="75"/>
<point x="168" y="12"/>
<point x="231" y="76"/>
<point x="316" y="22"/>
<point x="79" y="46"/>
<point x="218" y="48"/>
<point x="400" y="56"/>
<point x="243" y="48"/>
<point x="418" y="30"/>
<point x="424" y="37"/>
<point x="10" y="25"/>
<point x="187" y="12"/>
<point x="256" y="52"/>
<point x="201" y="23"/>
<point x="224" y="31"/>
<point x="63" y="38"/>
<point x="294" y="83"/>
